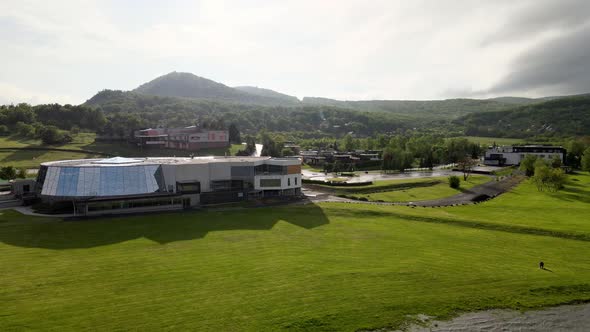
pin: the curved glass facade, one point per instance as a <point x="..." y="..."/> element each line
<point x="102" y="181"/>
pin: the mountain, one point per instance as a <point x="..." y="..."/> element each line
<point x="267" y="93"/>
<point x="187" y="85"/>
<point x="524" y="100"/>
<point x="566" y="116"/>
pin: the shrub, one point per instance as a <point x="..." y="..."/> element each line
<point x="454" y="181"/>
<point x="4" y="130"/>
<point x="21" y="173"/>
<point x="527" y="164"/>
<point x="7" y="173"/>
<point x="545" y="178"/>
<point x="50" y="135"/>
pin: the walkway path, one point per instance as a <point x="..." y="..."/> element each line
<point x="475" y="194"/>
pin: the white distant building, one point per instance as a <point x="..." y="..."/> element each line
<point x="513" y="155"/>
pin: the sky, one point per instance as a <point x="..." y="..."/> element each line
<point x="66" y="51"/>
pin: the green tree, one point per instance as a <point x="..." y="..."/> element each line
<point x="21" y="173"/>
<point x="527" y="164"/>
<point x="51" y="135"/>
<point x="4" y="130"/>
<point x="348" y="143"/>
<point x="546" y="178"/>
<point x="25" y="130"/>
<point x="556" y="162"/>
<point x="7" y="173"/>
<point x="466" y="165"/>
<point x="234" y="134"/>
<point x="454" y="182"/>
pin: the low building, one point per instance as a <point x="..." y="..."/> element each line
<point x="190" y="138"/>
<point x="120" y="185"/>
<point x="513" y="155"/>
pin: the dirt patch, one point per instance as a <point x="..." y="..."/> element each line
<point x="562" y="318"/>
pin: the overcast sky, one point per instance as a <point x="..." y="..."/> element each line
<point x="66" y="51"/>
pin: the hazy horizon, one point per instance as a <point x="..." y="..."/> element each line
<point x="67" y="51"/>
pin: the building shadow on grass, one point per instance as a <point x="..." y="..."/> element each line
<point x="162" y="228"/>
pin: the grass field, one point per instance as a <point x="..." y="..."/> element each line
<point x="416" y="189"/>
<point x="86" y="142"/>
<point x="332" y="266"/>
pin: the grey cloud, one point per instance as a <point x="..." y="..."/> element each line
<point x="539" y="16"/>
<point x="561" y="65"/>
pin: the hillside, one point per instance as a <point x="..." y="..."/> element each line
<point x="439" y="109"/>
<point x="565" y="116"/>
<point x="151" y="111"/>
<point x="267" y="93"/>
<point x="187" y="85"/>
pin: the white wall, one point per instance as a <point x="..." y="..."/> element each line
<point x="284" y="182"/>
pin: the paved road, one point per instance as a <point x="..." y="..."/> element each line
<point x="478" y="193"/>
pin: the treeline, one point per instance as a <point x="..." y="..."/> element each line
<point x="52" y="123"/>
<point x="424" y="109"/>
<point x="569" y="116"/>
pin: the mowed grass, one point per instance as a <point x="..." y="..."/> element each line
<point x="567" y="210"/>
<point x="32" y="158"/>
<point x="89" y="149"/>
<point x="438" y="189"/>
<point x="332" y="266"/>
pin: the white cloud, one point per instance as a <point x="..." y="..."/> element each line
<point x="10" y="94"/>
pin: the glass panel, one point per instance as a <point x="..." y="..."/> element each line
<point x="102" y="181"/>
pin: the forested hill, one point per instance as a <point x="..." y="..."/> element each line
<point x="149" y="111"/>
<point x="560" y="117"/>
<point x="267" y="93"/>
<point x="186" y="85"/>
<point x="433" y="109"/>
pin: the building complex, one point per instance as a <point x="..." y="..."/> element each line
<point x="513" y="155"/>
<point x="191" y="138"/>
<point x="119" y="185"/>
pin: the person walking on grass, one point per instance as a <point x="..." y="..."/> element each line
<point x="542" y="265"/>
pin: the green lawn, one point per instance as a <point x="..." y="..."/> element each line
<point x="567" y="210"/>
<point x="433" y="188"/>
<point x="333" y="266"/>
<point x="32" y="158"/>
<point x="85" y="141"/>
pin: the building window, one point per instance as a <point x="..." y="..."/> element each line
<point x="288" y="181"/>
<point x="270" y="182"/>
<point x="188" y="187"/>
<point x="295" y="181"/>
<point x="270" y="169"/>
<point x="227" y="185"/>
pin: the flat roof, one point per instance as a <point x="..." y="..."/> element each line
<point x="122" y="161"/>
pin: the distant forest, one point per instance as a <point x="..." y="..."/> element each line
<point x="568" y="116"/>
<point x="118" y="114"/>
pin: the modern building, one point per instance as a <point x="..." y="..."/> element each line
<point x="513" y="155"/>
<point x="120" y="185"/>
<point x="191" y="138"/>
